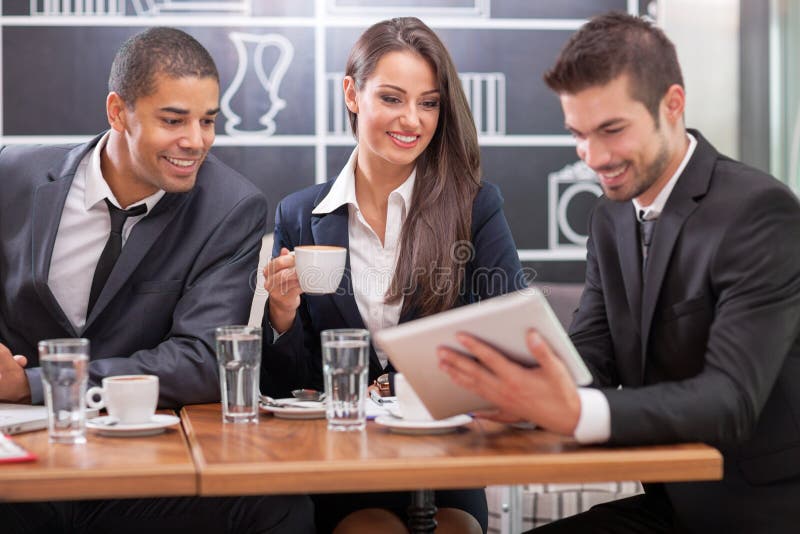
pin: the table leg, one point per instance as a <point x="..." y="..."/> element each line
<point x="422" y="512"/>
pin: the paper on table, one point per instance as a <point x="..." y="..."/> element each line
<point x="11" y="452"/>
<point x="374" y="409"/>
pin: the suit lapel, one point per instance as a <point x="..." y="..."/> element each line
<point x="48" y="204"/>
<point x="138" y="244"/>
<point x="630" y="258"/>
<point x="691" y="186"/>
<point x="331" y="229"/>
<point x="630" y="255"/>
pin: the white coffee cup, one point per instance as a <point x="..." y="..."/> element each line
<point x="319" y="267"/>
<point x="408" y="403"/>
<point x="130" y="399"/>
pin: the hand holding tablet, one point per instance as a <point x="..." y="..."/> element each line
<point x="502" y="323"/>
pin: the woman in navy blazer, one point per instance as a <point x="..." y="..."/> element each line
<point x="423" y="235"/>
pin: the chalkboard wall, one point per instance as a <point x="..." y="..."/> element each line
<point x="281" y="61"/>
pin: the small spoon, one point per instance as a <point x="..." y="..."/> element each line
<point x="269" y="401"/>
<point x="107" y="421"/>
<point x="308" y="394"/>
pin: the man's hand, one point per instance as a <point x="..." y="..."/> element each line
<point x="14" y="385"/>
<point x="545" y="395"/>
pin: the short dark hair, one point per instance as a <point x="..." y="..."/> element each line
<point x="614" y="44"/>
<point x="157" y="51"/>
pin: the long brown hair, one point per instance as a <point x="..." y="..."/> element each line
<point x="430" y="267"/>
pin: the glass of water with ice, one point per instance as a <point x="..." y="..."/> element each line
<point x="239" y="359"/>
<point x="65" y="372"/>
<point x="345" y="365"/>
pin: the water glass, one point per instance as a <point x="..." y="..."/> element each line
<point x="239" y="359"/>
<point x="345" y="364"/>
<point x="65" y="373"/>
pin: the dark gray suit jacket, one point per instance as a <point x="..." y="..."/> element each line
<point x="711" y="350"/>
<point x="186" y="268"/>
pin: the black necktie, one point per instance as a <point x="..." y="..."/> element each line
<point x="112" y="249"/>
<point x="646" y="229"/>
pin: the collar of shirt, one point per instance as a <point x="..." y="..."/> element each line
<point x="343" y="190"/>
<point x="652" y="211"/>
<point x="97" y="188"/>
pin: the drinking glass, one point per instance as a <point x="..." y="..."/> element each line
<point x="345" y="364"/>
<point x="239" y="360"/>
<point x="65" y="372"/>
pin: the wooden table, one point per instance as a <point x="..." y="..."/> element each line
<point x="279" y="456"/>
<point x="282" y="456"/>
<point x="104" y="467"/>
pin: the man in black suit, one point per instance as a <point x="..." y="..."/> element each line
<point x="691" y="302"/>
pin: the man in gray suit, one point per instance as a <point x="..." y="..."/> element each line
<point x="142" y="242"/>
<point x="691" y="302"/>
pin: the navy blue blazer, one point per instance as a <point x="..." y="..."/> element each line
<point x="295" y="360"/>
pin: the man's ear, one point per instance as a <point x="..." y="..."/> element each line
<point x="674" y="103"/>
<point x="349" y="88"/>
<point x="116" y="111"/>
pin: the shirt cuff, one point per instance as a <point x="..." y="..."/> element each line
<point x="594" y="423"/>
<point x="35" y="383"/>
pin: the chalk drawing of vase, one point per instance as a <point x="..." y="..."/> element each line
<point x="270" y="83"/>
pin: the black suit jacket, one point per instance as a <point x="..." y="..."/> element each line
<point x="295" y="360"/>
<point x="184" y="270"/>
<point x="710" y="350"/>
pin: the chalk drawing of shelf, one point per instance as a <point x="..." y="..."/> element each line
<point x="142" y="8"/>
<point x="194" y="7"/>
<point x="253" y="46"/>
<point x="396" y="8"/>
<point x="562" y="188"/>
<point x="485" y="92"/>
<point x="78" y="7"/>
<point x="338" y="118"/>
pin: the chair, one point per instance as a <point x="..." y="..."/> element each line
<point x="259" y="293"/>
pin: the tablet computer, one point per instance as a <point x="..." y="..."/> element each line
<point x="16" y="418"/>
<point x="502" y="322"/>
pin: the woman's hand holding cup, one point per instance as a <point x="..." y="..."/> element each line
<point x="312" y="269"/>
<point x="280" y="280"/>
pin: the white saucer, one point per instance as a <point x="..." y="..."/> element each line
<point x="410" y="426"/>
<point x="157" y="425"/>
<point x="304" y="410"/>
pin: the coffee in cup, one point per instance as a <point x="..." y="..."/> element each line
<point x="319" y="267"/>
<point x="130" y="399"/>
<point x="408" y="403"/>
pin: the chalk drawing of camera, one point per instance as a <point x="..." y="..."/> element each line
<point x="570" y="191"/>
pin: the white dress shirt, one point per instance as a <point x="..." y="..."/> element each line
<point x="82" y="234"/>
<point x="594" y="423"/>
<point x="372" y="263"/>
